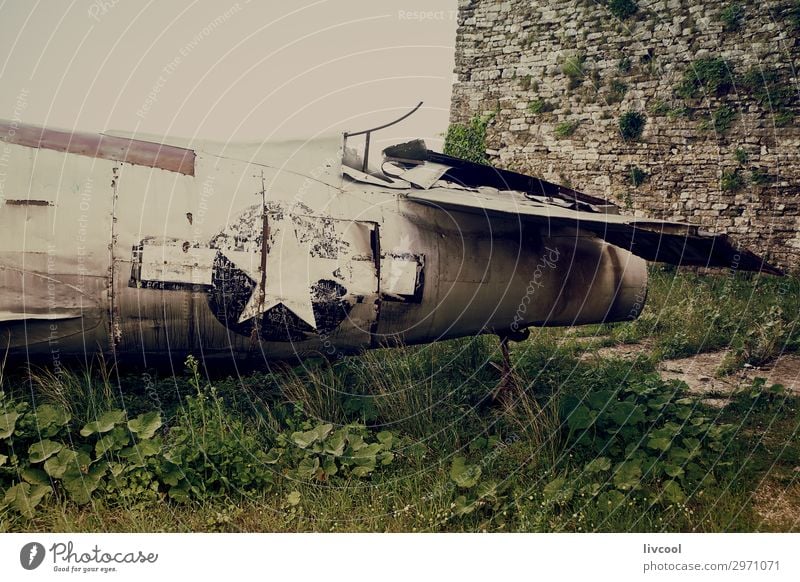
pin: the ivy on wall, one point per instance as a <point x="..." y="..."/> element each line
<point x="468" y="140"/>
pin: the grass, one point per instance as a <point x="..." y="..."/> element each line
<point x="538" y="106"/>
<point x="722" y="119"/>
<point x="574" y="68"/>
<point x="616" y="91"/>
<point x="760" y="176"/>
<point x="636" y="176"/>
<point x="534" y="467"/>
<point x="565" y="129"/>
<point x="705" y="77"/>
<point x="731" y="180"/>
<point x="631" y="125"/>
<point x="731" y="17"/>
<point x="688" y="314"/>
<point x="773" y="93"/>
<point x="623" y="8"/>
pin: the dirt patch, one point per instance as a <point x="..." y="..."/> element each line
<point x="778" y="507"/>
<point x="785" y="370"/>
<point x="699" y="374"/>
<point x="699" y="371"/>
<point x="619" y="351"/>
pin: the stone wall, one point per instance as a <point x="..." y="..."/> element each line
<point x="545" y="67"/>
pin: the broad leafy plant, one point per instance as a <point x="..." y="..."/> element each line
<point x="647" y="437"/>
<point x="211" y="452"/>
<point x="205" y="451"/>
<point x="40" y="457"/>
<point x="321" y="451"/>
<point x="473" y="494"/>
<point x="28" y="439"/>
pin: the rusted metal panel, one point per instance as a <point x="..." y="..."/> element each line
<point x="226" y="280"/>
<point x="132" y="151"/>
<point x="425" y="175"/>
<point x="400" y="275"/>
<point x="161" y="263"/>
<point x="54" y="253"/>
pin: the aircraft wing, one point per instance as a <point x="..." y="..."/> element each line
<point x="654" y="240"/>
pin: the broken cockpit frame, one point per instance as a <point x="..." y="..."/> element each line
<point x="367" y="133"/>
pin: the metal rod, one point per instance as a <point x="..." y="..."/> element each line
<point x="365" y="165"/>
<point x="398" y="120"/>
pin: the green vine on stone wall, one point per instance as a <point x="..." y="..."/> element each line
<point x="565" y="129"/>
<point x="714" y="77"/>
<point x="468" y="140"/>
<point x="636" y="176"/>
<point x="770" y="91"/>
<point x="631" y="125"/>
<point x="731" y="180"/>
<point x="616" y="91"/>
<point x="623" y="9"/>
<point x="706" y="76"/>
<point x="793" y="15"/>
<point x="732" y="16"/>
<point x="574" y="68"/>
<point x="721" y="120"/>
<point x="538" y="106"/>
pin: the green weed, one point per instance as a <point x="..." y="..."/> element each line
<point x="566" y="128"/>
<point x="468" y="140"/>
<point x="631" y="125"/>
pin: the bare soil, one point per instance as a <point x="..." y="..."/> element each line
<point x="700" y="371"/>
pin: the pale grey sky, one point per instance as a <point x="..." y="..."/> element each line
<point x="245" y="70"/>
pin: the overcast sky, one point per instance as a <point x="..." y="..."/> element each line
<point x="228" y="70"/>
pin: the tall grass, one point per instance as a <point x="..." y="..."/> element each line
<point x="436" y="400"/>
<point x="756" y="317"/>
<point x="86" y="393"/>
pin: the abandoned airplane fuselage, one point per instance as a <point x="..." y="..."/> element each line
<point x="137" y="248"/>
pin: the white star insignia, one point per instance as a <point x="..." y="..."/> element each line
<point x="288" y="280"/>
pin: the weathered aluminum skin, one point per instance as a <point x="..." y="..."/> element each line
<point x="274" y="251"/>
